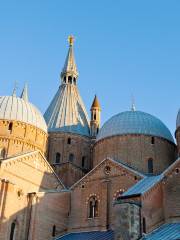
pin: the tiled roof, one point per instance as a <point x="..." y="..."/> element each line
<point x="95" y="235"/>
<point x="169" y="231"/>
<point x="143" y="185"/>
<point x="134" y="122"/>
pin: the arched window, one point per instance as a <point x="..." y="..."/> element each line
<point x="93" y="207"/>
<point x="94" y="116"/>
<point x="71" y="157"/>
<point x="64" y="79"/>
<point x="118" y="194"/>
<point x="150" y="165"/>
<point x="144" y="225"/>
<point x="54" y="231"/>
<point x="12" y="232"/>
<point x="58" y="157"/>
<point x="70" y="79"/>
<point x="2" y="153"/>
<point x="152" y="140"/>
<point x="10" y="126"/>
<point x="83" y="162"/>
<point x="69" y="141"/>
<point x="74" y="80"/>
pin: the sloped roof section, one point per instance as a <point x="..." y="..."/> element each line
<point x="169" y="231"/>
<point x="143" y="185"/>
<point x="95" y="235"/>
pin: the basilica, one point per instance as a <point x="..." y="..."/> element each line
<point x="64" y="177"/>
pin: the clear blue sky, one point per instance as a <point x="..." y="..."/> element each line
<point x="121" y="48"/>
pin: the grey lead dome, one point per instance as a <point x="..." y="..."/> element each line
<point x="135" y="122"/>
<point x="15" y="108"/>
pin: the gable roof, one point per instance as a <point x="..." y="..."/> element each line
<point x="143" y="185"/>
<point x="18" y="157"/>
<point x="169" y="231"/>
<point x="118" y="163"/>
<point x="148" y="182"/>
<point x="94" y="235"/>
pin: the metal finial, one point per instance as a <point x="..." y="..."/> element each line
<point x="71" y="40"/>
<point x="133" y="106"/>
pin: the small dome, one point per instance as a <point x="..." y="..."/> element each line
<point x="134" y="122"/>
<point x="15" y="108"/>
<point x="178" y="120"/>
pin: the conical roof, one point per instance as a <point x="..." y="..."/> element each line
<point x="66" y="112"/>
<point x="96" y="103"/>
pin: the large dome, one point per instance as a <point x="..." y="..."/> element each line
<point x="15" y="108"/>
<point x="134" y="122"/>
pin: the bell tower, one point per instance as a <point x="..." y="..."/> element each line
<point x="95" y="117"/>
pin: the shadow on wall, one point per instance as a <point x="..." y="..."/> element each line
<point x="29" y="209"/>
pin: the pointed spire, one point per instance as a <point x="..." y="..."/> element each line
<point x="24" y="94"/>
<point x="96" y="103"/>
<point x="70" y="68"/>
<point x="133" y="106"/>
<point x="14" y="90"/>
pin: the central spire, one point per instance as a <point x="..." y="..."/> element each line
<point x="66" y="112"/>
<point x="69" y="72"/>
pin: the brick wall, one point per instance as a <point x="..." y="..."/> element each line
<point x="22" y="138"/>
<point x="135" y="150"/>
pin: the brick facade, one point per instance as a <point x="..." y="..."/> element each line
<point x="135" y="150"/>
<point x="21" y="138"/>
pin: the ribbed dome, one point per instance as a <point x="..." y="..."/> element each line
<point x="15" y="108"/>
<point x="178" y="120"/>
<point x="134" y="122"/>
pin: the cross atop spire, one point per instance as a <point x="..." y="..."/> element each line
<point x="71" y="40"/>
<point x="69" y="72"/>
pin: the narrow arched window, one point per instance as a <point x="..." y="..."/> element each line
<point x="95" y="116"/>
<point x="58" y="157"/>
<point x="71" y="157"/>
<point x="64" y="79"/>
<point x="2" y="153"/>
<point x="69" y="141"/>
<point x="144" y="225"/>
<point x="54" y="231"/>
<point x="83" y="162"/>
<point x="70" y="79"/>
<point x="74" y="80"/>
<point x="12" y="232"/>
<point x="93" y="207"/>
<point x="153" y="140"/>
<point x="10" y="127"/>
<point x="150" y="165"/>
